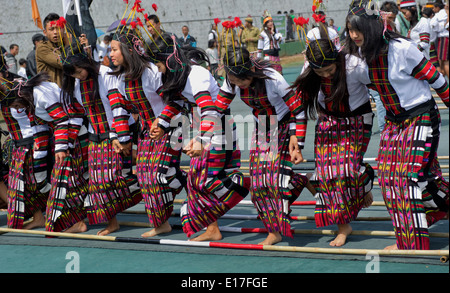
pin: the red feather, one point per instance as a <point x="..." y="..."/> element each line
<point x="237" y="21"/>
<point x="133" y="24"/>
<point x="216" y="21"/>
<point x="139" y="22"/>
<point x="155" y="7"/>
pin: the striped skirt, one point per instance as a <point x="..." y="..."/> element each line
<point x="24" y="189"/>
<point x="442" y="48"/>
<point x="341" y="179"/>
<point x="275" y="61"/>
<point x="433" y="55"/>
<point x="65" y="206"/>
<point x="214" y="183"/>
<point x="159" y="175"/>
<point x="112" y="186"/>
<point x="415" y="193"/>
<point x="274" y="185"/>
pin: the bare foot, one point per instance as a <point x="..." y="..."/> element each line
<point x="212" y="233"/>
<point x="272" y="238"/>
<point x="164" y="228"/>
<point x="368" y="200"/>
<point x="37" y="222"/>
<point x="113" y="226"/>
<point x="391" y="247"/>
<point x="343" y="231"/>
<point x="79" y="227"/>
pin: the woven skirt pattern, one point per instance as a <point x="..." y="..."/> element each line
<point x="341" y="179"/>
<point x="159" y="175"/>
<point x="65" y="206"/>
<point x="415" y="193"/>
<point x="24" y="196"/>
<point x="112" y="186"/>
<point x="274" y="185"/>
<point x="442" y="48"/>
<point x="215" y="185"/>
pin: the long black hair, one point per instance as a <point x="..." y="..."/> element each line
<point x="239" y="63"/>
<point x="23" y="93"/>
<point x="178" y="62"/>
<point x="309" y="82"/>
<point x="71" y="63"/>
<point x="134" y="62"/>
<point x="376" y="38"/>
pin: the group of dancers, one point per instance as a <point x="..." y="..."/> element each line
<point x="72" y="147"/>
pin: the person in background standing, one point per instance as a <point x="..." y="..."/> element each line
<point x="31" y="58"/>
<point x="10" y="58"/>
<point x="213" y="57"/>
<point x="187" y="40"/>
<point x="22" y="68"/>
<point x="250" y="35"/>
<point x="289" y="26"/>
<point x="104" y="49"/>
<point x="331" y="24"/>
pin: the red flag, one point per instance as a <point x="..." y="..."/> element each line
<point x="35" y="14"/>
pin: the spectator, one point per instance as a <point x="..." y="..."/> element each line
<point x="22" y="68"/>
<point x="187" y="40"/>
<point x="213" y="56"/>
<point x="10" y="58"/>
<point x="213" y="35"/>
<point x="48" y="53"/>
<point x="104" y="49"/>
<point x="290" y="28"/>
<point x="250" y="35"/>
<point x="31" y="58"/>
<point x="331" y="24"/>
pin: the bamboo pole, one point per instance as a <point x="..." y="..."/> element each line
<point x="256" y="217"/>
<point x="443" y="254"/>
<point x="294" y="231"/>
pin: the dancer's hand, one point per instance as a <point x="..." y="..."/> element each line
<point x="156" y="132"/>
<point x="194" y="148"/>
<point x="121" y="148"/>
<point x="60" y="156"/>
<point x="294" y="150"/>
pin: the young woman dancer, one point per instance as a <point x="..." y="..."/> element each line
<point x="112" y="188"/>
<point x="214" y="183"/>
<point x="28" y="178"/>
<point x="333" y="91"/>
<point x="275" y="142"/>
<point x="39" y="99"/>
<point x="65" y="206"/>
<point x="411" y="181"/>
<point x="157" y="163"/>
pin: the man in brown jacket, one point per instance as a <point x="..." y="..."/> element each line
<point x="48" y="53"/>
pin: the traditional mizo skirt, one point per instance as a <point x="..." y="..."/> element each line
<point x="69" y="188"/>
<point x="27" y="185"/>
<point x="442" y="48"/>
<point x="341" y="178"/>
<point x="112" y="186"/>
<point x="214" y="183"/>
<point x="159" y="175"/>
<point x="274" y="185"/>
<point x="433" y="55"/>
<point x="415" y="193"/>
<point x="275" y="61"/>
